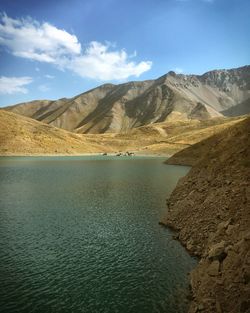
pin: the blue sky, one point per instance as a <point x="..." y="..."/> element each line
<point x="54" y="49"/>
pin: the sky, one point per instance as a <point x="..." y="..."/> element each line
<point x="53" y="49"/>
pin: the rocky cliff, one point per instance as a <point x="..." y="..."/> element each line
<point x="210" y="210"/>
<point x="119" y="108"/>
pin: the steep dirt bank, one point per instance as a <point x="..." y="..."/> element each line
<point x="210" y="210"/>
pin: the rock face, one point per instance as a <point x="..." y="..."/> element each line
<point x="211" y="211"/>
<point x="119" y="108"/>
<point x="239" y="109"/>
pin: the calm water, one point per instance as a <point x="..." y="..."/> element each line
<point x="81" y="234"/>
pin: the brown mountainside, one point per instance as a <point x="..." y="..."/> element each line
<point x="21" y="135"/>
<point x="210" y="209"/>
<point x="119" y="108"/>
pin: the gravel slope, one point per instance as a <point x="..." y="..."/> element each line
<point x="210" y="210"/>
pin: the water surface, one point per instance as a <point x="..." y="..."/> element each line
<point x="81" y="234"/>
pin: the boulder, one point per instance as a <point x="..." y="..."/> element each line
<point x="224" y="225"/>
<point x="217" y="251"/>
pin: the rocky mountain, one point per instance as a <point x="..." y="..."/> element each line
<point x="240" y="109"/>
<point x="119" y="108"/>
<point x="210" y="210"/>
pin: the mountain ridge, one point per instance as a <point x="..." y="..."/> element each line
<point x="119" y="108"/>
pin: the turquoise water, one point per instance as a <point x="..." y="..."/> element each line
<point x="81" y="234"/>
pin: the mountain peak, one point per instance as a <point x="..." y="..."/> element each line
<point x="119" y="108"/>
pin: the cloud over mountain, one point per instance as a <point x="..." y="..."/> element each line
<point x="10" y="85"/>
<point x="43" y="42"/>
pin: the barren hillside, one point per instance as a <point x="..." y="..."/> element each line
<point x="210" y="209"/>
<point x="23" y="135"/>
<point x="119" y="108"/>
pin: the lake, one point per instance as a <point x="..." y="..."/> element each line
<point x="81" y="234"/>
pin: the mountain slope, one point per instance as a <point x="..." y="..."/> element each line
<point x="24" y="136"/>
<point x="239" y="109"/>
<point x="119" y="108"/>
<point x="169" y="137"/>
<point x="211" y="211"/>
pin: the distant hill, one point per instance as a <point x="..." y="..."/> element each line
<point x="21" y="135"/>
<point x="172" y="97"/>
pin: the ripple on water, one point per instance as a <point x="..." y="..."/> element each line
<point x="82" y="235"/>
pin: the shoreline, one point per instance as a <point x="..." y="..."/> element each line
<point x="86" y="155"/>
<point x="209" y="211"/>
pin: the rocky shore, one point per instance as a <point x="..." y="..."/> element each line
<point x="210" y="211"/>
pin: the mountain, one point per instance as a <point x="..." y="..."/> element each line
<point x="170" y="137"/>
<point x="119" y="108"/>
<point x="210" y="210"/>
<point x="239" y="109"/>
<point x="21" y="135"/>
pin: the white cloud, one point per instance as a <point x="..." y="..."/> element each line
<point x="98" y="62"/>
<point x="178" y="70"/>
<point x="10" y="85"/>
<point x="49" y="76"/>
<point x="28" y="38"/>
<point x="43" y="42"/>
